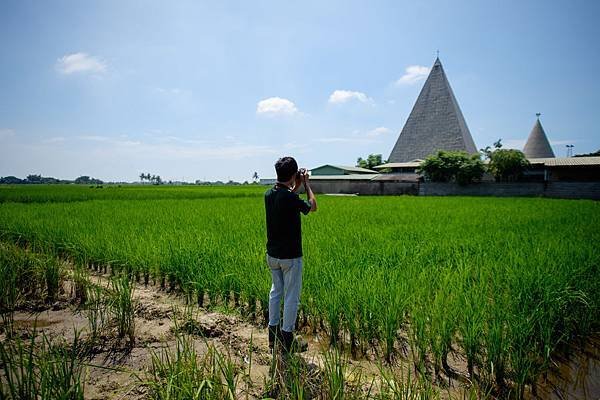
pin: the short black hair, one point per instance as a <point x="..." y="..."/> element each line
<point x="286" y="167"/>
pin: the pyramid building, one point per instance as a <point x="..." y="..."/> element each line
<point x="435" y="122"/>
<point x="537" y="145"/>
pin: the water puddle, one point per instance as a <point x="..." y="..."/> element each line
<point x="576" y="375"/>
<point x="35" y="323"/>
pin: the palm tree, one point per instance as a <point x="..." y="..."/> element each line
<point x="255" y="177"/>
<point x="142" y="177"/>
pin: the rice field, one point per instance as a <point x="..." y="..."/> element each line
<point x="506" y="282"/>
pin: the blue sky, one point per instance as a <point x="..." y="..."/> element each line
<point x="218" y="90"/>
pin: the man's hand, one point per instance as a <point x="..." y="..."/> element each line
<point x="309" y="193"/>
<point x="305" y="178"/>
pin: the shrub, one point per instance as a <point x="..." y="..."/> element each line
<point x="507" y="164"/>
<point x="449" y="166"/>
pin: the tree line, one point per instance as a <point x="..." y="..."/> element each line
<point x="153" y="179"/>
<point x="39" y="179"/>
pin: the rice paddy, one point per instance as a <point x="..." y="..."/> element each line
<point x="504" y="282"/>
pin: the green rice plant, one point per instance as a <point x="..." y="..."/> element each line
<point x="182" y="373"/>
<point x="71" y="193"/>
<point x="122" y="306"/>
<point x="95" y="310"/>
<point x="452" y="274"/>
<point x="40" y="369"/>
<point x="81" y="281"/>
<point x="10" y="295"/>
<point x="334" y="375"/>
<point x="61" y="370"/>
<point x="53" y="274"/>
<point x="397" y="384"/>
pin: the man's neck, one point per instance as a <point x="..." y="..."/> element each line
<point x="286" y="185"/>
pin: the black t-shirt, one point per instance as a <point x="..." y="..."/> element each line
<point x="284" y="235"/>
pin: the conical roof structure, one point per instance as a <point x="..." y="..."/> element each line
<point x="435" y="122"/>
<point x="537" y="145"/>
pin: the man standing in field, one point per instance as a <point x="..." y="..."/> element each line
<point x="284" y="248"/>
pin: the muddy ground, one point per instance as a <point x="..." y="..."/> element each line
<point x="117" y="368"/>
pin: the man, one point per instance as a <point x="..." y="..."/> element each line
<point x="284" y="247"/>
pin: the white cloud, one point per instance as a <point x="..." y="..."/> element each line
<point x="173" y="147"/>
<point x="341" y="140"/>
<point x="110" y="140"/>
<point x="56" y="139"/>
<point x="5" y="132"/>
<point x="382" y="130"/>
<point x="173" y="91"/>
<point x="274" y="106"/>
<point x="413" y="74"/>
<point x="79" y="62"/>
<point x="344" y="96"/>
<point x="120" y="157"/>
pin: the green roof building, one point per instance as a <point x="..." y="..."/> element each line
<point x="328" y="169"/>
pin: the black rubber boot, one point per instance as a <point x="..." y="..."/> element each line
<point x="292" y="344"/>
<point x="287" y="339"/>
<point x="274" y="335"/>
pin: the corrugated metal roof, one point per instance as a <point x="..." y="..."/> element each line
<point x="408" y="164"/>
<point x="351" y="177"/>
<point x="566" y="161"/>
<point x="354" y="169"/>
<point x="347" y="168"/>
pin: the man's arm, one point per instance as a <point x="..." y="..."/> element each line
<point x="309" y="193"/>
<point x="297" y="183"/>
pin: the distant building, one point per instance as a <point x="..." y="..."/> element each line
<point x="267" y="181"/>
<point x="564" y="169"/>
<point x="408" y="168"/>
<point x="435" y="122"/>
<point x="329" y="169"/>
<point x="537" y="145"/>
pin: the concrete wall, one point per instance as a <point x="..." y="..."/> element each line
<point x="482" y="189"/>
<point x="567" y="190"/>
<point x="364" y="187"/>
<point x="573" y="190"/>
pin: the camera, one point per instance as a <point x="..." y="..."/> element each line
<point x="301" y="171"/>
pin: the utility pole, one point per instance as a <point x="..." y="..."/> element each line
<point x="569" y="150"/>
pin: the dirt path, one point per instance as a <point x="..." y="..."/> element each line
<point x="115" y="364"/>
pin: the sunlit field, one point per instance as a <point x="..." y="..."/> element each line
<point x="503" y="281"/>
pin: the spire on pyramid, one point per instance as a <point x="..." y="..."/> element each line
<point x="537" y="145"/>
<point x="435" y="122"/>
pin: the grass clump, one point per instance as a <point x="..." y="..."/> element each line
<point x="122" y="306"/>
<point x="183" y="373"/>
<point x="40" y="369"/>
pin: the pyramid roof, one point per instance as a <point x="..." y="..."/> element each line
<point x="537" y="145"/>
<point x="435" y="122"/>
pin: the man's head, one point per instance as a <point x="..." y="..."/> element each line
<point x="286" y="168"/>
